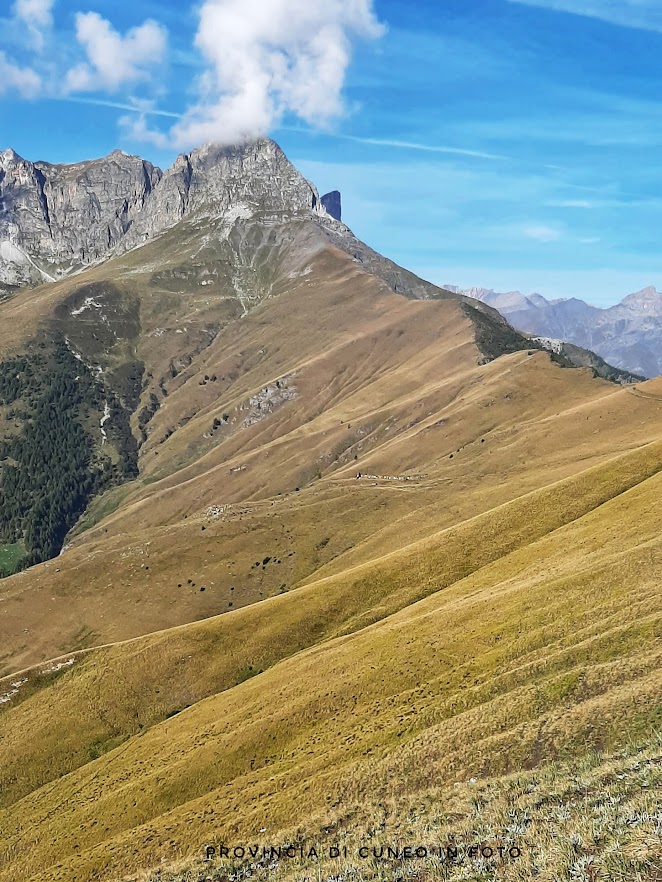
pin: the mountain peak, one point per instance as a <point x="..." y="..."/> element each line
<point x="252" y="145"/>
<point x="257" y="150"/>
<point x="255" y="177"/>
<point x="9" y="157"/>
<point x="647" y="293"/>
<point x="505" y="301"/>
<point x="122" y="154"/>
<point x="646" y="301"/>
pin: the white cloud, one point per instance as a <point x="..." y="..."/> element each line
<point x="644" y="14"/>
<point x="114" y="60"/>
<point x="269" y="57"/>
<point x="37" y="16"/>
<point x="20" y="80"/>
<point x="541" y="233"/>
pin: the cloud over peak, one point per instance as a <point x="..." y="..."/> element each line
<point x="261" y="60"/>
<point x="266" y="58"/>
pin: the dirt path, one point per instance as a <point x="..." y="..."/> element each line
<point x="633" y="390"/>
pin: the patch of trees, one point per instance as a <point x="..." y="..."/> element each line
<point x="51" y="470"/>
<point x="127" y="381"/>
<point x="494" y="336"/>
<point x="120" y="432"/>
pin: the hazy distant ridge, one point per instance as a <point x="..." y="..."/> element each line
<point x="628" y="335"/>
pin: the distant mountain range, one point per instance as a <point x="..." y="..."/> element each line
<point x="627" y="335"/>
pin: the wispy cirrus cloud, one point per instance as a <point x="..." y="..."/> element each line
<point x="142" y="108"/>
<point x="642" y="14"/>
<point x="418" y="146"/>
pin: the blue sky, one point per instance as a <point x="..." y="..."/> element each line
<point x="478" y="142"/>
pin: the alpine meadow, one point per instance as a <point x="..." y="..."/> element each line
<point x="311" y="570"/>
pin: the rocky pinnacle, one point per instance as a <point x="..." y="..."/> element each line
<point x="333" y="204"/>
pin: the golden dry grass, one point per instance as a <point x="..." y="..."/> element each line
<point x="356" y="639"/>
<point x="593" y="819"/>
<point x="392" y="382"/>
<point x="114" y="695"/>
<point x="540" y="653"/>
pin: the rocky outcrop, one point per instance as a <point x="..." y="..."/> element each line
<point x="57" y="218"/>
<point x="577" y="356"/>
<point x="253" y="178"/>
<point x="332" y="202"/>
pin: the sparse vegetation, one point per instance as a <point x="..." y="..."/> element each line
<point x="592" y="819"/>
<point x="247" y="673"/>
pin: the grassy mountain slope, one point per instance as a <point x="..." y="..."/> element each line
<point x="257" y="637"/>
<point x="358" y="380"/>
<point x="551" y="646"/>
<point x="374" y="542"/>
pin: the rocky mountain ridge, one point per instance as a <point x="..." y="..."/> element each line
<point x="57" y="219"/>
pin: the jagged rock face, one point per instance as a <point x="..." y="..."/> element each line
<point x="647" y="302"/>
<point x="332" y="202"/>
<point x="213" y="180"/>
<point x="54" y="218"/>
